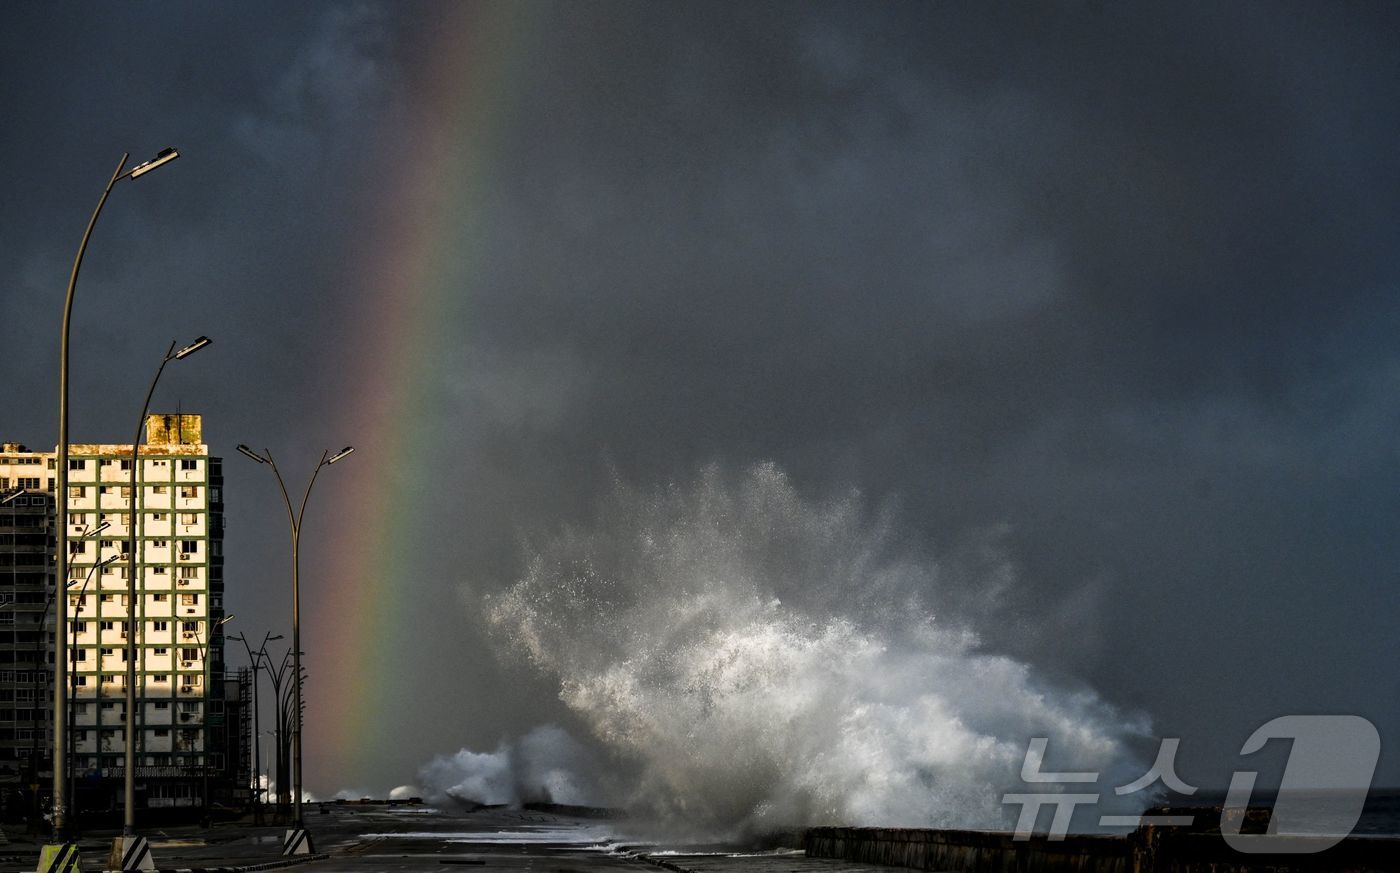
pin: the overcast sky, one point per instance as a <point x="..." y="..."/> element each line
<point x="1110" y="291"/>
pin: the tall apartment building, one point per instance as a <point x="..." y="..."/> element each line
<point x="181" y="728"/>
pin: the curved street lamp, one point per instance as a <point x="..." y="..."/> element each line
<point x="204" y="711"/>
<point x="133" y="630"/>
<point x="279" y="731"/>
<point x="87" y="533"/>
<point x="60" y="694"/>
<point x="255" y="658"/>
<point x="294" y="518"/>
<point x="73" y="674"/>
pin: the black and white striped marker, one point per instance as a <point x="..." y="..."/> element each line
<point x="297" y="842"/>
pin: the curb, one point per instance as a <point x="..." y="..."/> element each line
<point x="663" y="863"/>
<point x="266" y="865"/>
<point x="246" y="868"/>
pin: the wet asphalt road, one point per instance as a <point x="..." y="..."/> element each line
<point x="380" y="840"/>
<point x="383" y="839"/>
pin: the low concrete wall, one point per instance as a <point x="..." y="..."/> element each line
<point x="1148" y="850"/>
<point x="970" y="851"/>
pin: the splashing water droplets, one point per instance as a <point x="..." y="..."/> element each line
<point x="769" y="660"/>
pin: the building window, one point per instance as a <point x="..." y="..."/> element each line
<point x="189" y="464"/>
<point x="162" y="733"/>
<point x="160" y="544"/>
<point x="160" y="598"/>
<point x="76" y="465"/>
<point x="189" y="599"/>
<point x="189" y="518"/>
<point x="106" y="652"/>
<point x="81" y="654"/>
<point x="160" y="627"/>
<point x="158" y="489"/>
<point x="189" y="655"/>
<point x="188" y="547"/>
<point x="25" y="482"/>
<point x="189" y="572"/>
<point x="189" y="627"/>
<point x="81" y="680"/>
<point x="161" y="677"/>
<point x="75" y="492"/>
<point x="157" y="516"/>
<point x="160" y="571"/>
<point x="161" y="704"/>
<point x="126" y="465"/>
<point x="160" y="652"/>
<point x="106" y="625"/>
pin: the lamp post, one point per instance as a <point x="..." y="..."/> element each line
<point x="60" y="696"/>
<point x="73" y="679"/>
<point x="133" y="630"/>
<point x="280" y="731"/>
<point x="295" y="520"/>
<point x="53" y="598"/>
<point x="208" y="698"/>
<point x="255" y="659"/>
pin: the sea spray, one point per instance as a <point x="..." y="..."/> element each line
<point x="544" y="766"/>
<point x="767" y="660"/>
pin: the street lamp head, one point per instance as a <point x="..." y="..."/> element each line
<point x="340" y="454"/>
<point x="278" y="637"/>
<point x="97" y="530"/>
<point x="192" y="348"/>
<point x="11" y="496"/>
<point x="165" y="156"/>
<point x="252" y="454"/>
<point x="223" y="621"/>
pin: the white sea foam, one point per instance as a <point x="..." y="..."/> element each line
<point x="544" y="765"/>
<point x="768" y="660"/>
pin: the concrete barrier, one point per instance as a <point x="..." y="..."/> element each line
<point x="970" y="851"/>
<point x="1148" y="850"/>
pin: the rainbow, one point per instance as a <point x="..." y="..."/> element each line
<point x="418" y="273"/>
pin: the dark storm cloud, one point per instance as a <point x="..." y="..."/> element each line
<point x="1111" y="289"/>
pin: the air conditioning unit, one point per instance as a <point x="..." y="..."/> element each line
<point x="187" y="665"/>
<point x="186" y="689"/>
<point x="188" y="635"/>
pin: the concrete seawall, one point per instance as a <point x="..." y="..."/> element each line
<point x="1148" y="850"/>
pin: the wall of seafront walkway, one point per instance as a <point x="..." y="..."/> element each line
<point x="1148" y="850"/>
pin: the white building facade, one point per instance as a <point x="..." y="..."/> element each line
<point x="178" y="513"/>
